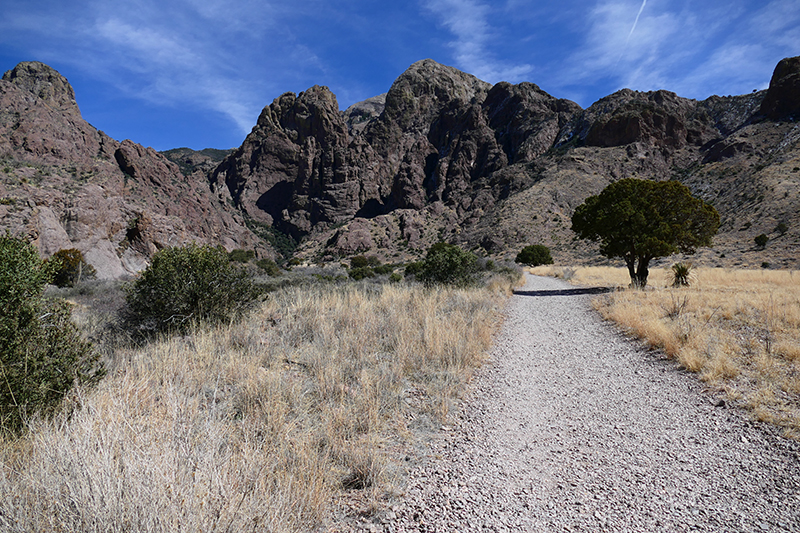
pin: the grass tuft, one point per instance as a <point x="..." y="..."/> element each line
<point x="738" y="329"/>
<point x="256" y="426"/>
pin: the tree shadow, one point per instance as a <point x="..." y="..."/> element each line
<point x="566" y="292"/>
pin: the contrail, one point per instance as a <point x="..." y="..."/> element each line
<point x="633" y="28"/>
<point x="635" y="22"/>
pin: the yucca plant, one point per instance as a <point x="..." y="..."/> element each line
<point x="680" y="274"/>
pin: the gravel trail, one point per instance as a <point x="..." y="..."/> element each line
<point x="573" y="427"/>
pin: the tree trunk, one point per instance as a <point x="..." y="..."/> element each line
<point x="630" y="261"/>
<point x="638" y="273"/>
<point x="642" y="273"/>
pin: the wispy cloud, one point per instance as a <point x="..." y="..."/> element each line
<point x="203" y="54"/>
<point x="468" y="21"/>
<point x="695" y="50"/>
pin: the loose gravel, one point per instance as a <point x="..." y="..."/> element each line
<point x="573" y="427"/>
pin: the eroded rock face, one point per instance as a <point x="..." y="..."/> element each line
<point x="50" y="87"/>
<point x="66" y="185"/>
<point x="658" y="118"/>
<point x="783" y="96"/>
<point x="437" y="135"/>
<point x="441" y="156"/>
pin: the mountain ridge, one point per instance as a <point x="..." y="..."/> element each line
<point x="441" y="156"/>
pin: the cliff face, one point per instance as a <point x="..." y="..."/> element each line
<point x="66" y="185"/>
<point x="442" y="155"/>
<point x="445" y="155"/>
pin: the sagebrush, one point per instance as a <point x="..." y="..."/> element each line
<point x="42" y="354"/>
<point x="185" y="285"/>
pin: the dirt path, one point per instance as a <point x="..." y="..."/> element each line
<point x="572" y="427"/>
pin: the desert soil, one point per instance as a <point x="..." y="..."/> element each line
<point x="573" y="427"/>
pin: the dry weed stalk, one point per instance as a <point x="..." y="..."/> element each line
<point x="254" y="427"/>
<point x="738" y="329"/>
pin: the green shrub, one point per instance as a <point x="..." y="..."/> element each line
<point x="395" y="277"/>
<point x="414" y="268"/>
<point x="383" y="269"/>
<point x="782" y="228"/>
<point x="761" y="240"/>
<point x="241" y="256"/>
<point x="534" y="255"/>
<point x="269" y="266"/>
<point x="359" y="273"/>
<point x="70" y="268"/>
<point x="447" y="264"/>
<point x="680" y="274"/>
<point x="42" y="355"/>
<point x="184" y="285"/>
<point x="359" y="261"/>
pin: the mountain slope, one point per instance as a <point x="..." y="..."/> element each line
<point x="441" y="156"/>
<point x="67" y="185"/>
<point x="446" y="156"/>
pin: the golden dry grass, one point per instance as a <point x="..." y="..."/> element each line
<point x="738" y="330"/>
<point x="256" y="426"/>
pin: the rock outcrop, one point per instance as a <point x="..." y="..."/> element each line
<point x="66" y="185"/>
<point x="783" y="96"/>
<point x="441" y="156"/>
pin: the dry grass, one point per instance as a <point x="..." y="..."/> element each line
<point x="253" y="427"/>
<point x="737" y="329"/>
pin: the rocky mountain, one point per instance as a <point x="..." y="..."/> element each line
<point x="67" y="185"/>
<point x="444" y="155"/>
<point x="441" y="156"/>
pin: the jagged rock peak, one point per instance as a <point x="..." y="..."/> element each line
<point x="783" y="96"/>
<point x="44" y="82"/>
<point x="358" y="115"/>
<point x="440" y="82"/>
<point x="312" y="112"/>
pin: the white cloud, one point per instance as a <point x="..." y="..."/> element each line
<point x="467" y="20"/>
<point x="697" y="50"/>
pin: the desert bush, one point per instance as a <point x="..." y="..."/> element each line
<point x="42" y="355"/>
<point x="187" y="284"/>
<point x="359" y="261"/>
<point x="241" y="256"/>
<point x="70" y="268"/>
<point x="761" y="240"/>
<point x="413" y="268"/>
<point x="269" y="267"/>
<point x="680" y="274"/>
<point x="782" y="228"/>
<point x="383" y="269"/>
<point x="359" y="273"/>
<point x="447" y="264"/>
<point x="367" y="267"/>
<point x="534" y="255"/>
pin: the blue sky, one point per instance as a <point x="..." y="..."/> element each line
<point x="170" y="73"/>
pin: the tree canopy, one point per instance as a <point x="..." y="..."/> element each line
<point x="447" y="264"/>
<point x="640" y="220"/>
<point x="535" y="255"/>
